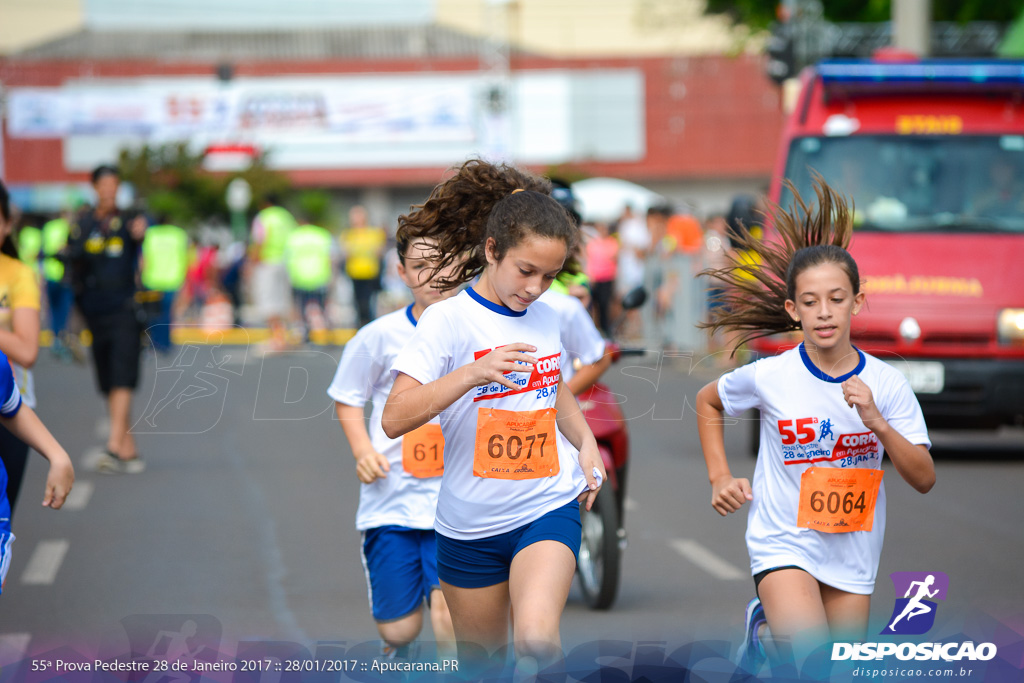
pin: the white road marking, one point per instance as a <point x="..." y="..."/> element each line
<point x="707" y="560"/>
<point x="81" y="491"/>
<point x="45" y="562"/>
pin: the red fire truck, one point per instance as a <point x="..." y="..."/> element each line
<point x="932" y="154"/>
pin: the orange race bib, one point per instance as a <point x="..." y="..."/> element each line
<point x="515" y="444"/>
<point x="423" y="452"/>
<point x="836" y="500"/>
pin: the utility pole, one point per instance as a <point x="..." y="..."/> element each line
<point x="495" y="67"/>
<point x="911" y="26"/>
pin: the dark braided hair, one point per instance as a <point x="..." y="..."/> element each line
<point x="756" y="289"/>
<point x="480" y="201"/>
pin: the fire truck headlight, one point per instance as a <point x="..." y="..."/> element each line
<point x="1011" y="325"/>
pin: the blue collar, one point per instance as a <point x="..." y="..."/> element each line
<point x="408" y="314"/>
<point x="497" y="308"/>
<point x="817" y="372"/>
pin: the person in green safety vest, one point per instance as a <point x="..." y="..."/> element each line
<point x="30" y="245"/>
<point x="163" y="268"/>
<point x="59" y="295"/>
<point x="308" y="257"/>
<point x="270" y="285"/>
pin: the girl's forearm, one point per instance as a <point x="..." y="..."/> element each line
<point x="912" y="461"/>
<point x="571" y="422"/>
<point x="709" y="429"/>
<point x="412" y="404"/>
<point x="353" y="423"/>
<point x="27" y="426"/>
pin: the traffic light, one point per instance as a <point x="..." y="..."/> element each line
<point x="781" y="55"/>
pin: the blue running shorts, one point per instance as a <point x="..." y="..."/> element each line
<point x="401" y="569"/>
<point x="6" y="539"/>
<point x="486" y="561"/>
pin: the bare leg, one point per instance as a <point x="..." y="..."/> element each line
<point x="847" y="613"/>
<point x="539" y="583"/>
<point x="479" y="615"/>
<point x="401" y="632"/>
<point x="120" y="442"/>
<point x="795" y="611"/>
<point x="441" y="621"/>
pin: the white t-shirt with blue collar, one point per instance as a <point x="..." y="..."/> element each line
<point x="456" y="332"/>
<point x="364" y="374"/>
<point x="806" y="422"/>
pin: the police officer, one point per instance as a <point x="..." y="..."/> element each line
<point x="103" y="253"/>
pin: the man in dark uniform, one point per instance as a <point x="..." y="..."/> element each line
<point x="103" y="251"/>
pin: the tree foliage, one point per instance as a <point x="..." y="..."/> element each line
<point x="173" y="186"/>
<point x="760" y="14"/>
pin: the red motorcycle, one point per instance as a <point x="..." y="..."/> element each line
<point x="604" y="533"/>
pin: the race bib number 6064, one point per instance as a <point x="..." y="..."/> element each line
<point x="837" y="500"/>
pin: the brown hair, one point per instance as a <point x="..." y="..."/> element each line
<point x="478" y="202"/>
<point x="761" y="274"/>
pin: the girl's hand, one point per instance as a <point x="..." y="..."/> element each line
<point x="857" y="394"/>
<point x="58" y="482"/>
<point x="590" y="461"/>
<point x="371" y="466"/>
<point x="493" y="366"/>
<point x="728" y="494"/>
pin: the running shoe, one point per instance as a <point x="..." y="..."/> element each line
<point x="751" y="654"/>
<point x="108" y="463"/>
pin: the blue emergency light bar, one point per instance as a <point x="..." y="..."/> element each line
<point x="854" y="72"/>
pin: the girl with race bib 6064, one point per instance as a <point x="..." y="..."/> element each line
<point x="519" y="456"/>
<point x="400" y="477"/>
<point x="828" y="413"/>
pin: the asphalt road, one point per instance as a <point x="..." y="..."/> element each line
<point x="244" y="522"/>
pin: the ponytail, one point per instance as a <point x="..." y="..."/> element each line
<point x="482" y="201"/>
<point x="761" y="274"/>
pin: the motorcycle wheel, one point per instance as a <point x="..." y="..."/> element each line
<point x="600" y="554"/>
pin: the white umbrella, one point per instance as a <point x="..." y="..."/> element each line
<point x="603" y="199"/>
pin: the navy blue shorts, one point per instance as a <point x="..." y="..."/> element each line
<point x="401" y="569"/>
<point x="486" y="561"/>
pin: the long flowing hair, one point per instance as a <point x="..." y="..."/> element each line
<point x="761" y="273"/>
<point x="482" y="200"/>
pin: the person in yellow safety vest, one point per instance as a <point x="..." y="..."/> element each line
<point x="164" y="265"/>
<point x="59" y="294"/>
<point x="308" y="258"/>
<point x="270" y="288"/>
<point x="363" y="246"/>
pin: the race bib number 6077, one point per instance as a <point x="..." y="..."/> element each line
<point x="514" y="444"/>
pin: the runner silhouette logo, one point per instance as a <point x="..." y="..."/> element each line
<point x="914" y="612"/>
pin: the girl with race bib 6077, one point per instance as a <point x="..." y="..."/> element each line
<point x="487" y="362"/>
<point x="828" y="414"/>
